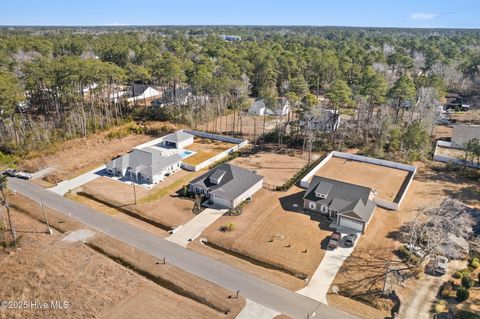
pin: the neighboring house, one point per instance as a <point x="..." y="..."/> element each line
<point x="142" y="92"/>
<point x="258" y="107"/>
<point x="227" y="185"/>
<point x="464" y="133"/>
<point x="456" y="102"/>
<point x="146" y="165"/>
<point x="326" y="120"/>
<point x="349" y="205"/>
<point x="178" y="139"/>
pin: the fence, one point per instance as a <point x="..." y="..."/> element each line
<point x="395" y="205"/>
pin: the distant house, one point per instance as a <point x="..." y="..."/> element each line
<point x="178" y="139"/>
<point x="146" y="165"/>
<point x="140" y="92"/>
<point x="456" y="102"/>
<point x="325" y="120"/>
<point x="349" y="205"/>
<point x="227" y="185"/>
<point x="231" y="37"/>
<point x="464" y="133"/>
<point x="259" y="107"/>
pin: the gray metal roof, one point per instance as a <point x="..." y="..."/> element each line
<point x="178" y="136"/>
<point x="234" y="183"/>
<point x="347" y="199"/>
<point x="463" y="133"/>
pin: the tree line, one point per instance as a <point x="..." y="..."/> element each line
<point x="58" y="84"/>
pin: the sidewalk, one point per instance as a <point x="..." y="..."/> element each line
<point x="257" y="311"/>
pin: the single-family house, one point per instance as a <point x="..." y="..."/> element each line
<point x="349" y="205"/>
<point x="140" y="92"/>
<point x="227" y="185"/>
<point x="178" y="139"/>
<point x="147" y="165"/>
<point x="464" y="133"/>
<point x="325" y="120"/>
<point x="259" y="107"/>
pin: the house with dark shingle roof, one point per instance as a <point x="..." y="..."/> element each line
<point x="349" y="205"/>
<point x="227" y="185"/>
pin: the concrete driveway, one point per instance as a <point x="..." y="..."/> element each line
<point x="191" y="230"/>
<point x="323" y="277"/>
<point x="65" y="186"/>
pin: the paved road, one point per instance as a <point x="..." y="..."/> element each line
<point x="254" y="288"/>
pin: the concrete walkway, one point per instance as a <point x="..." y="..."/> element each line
<point x="323" y="277"/>
<point x="43" y="172"/>
<point x="191" y="230"/>
<point x="65" y="186"/>
<point x="256" y="310"/>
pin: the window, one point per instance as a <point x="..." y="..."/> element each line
<point x="312" y="205"/>
<point x="324" y="209"/>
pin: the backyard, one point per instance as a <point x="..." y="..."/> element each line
<point x="205" y="149"/>
<point x="384" y="180"/>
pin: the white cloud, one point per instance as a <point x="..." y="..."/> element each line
<point x="423" y="16"/>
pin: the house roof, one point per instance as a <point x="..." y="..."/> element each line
<point x="464" y="133"/>
<point x="235" y="181"/>
<point x="178" y="137"/>
<point x="347" y="199"/>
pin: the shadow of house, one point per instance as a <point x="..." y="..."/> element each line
<point x="293" y="202"/>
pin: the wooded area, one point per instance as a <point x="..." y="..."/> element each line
<point x="57" y="84"/>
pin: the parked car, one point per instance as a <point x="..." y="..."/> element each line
<point x="351" y="239"/>
<point x="441" y="264"/>
<point x="334" y="241"/>
<point x="18" y="174"/>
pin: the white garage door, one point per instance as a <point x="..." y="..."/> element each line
<point x="350" y="223"/>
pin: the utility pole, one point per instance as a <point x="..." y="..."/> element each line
<point x="49" y="230"/>
<point x="387" y="271"/>
<point x="134" y="193"/>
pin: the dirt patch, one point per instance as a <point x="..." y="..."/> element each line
<point x="74" y="157"/>
<point x="205" y="149"/>
<point x="471" y="117"/>
<point x="270" y="230"/>
<point x="443" y="132"/>
<point x="450" y="152"/>
<point x="276" y="168"/>
<point x="385" y="180"/>
<point x="361" y="274"/>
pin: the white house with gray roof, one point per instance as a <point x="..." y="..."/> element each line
<point x="227" y="185"/>
<point x="178" y="139"/>
<point x="349" y="205"/>
<point x="147" y="165"/>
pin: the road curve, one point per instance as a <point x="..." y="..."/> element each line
<point x="256" y="289"/>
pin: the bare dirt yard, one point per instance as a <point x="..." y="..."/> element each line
<point x="450" y="152"/>
<point x="102" y="279"/>
<point x="271" y="239"/>
<point x="361" y="274"/>
<point x="276" y="168"/>
<point x="470" y="117"/>
<point x="385" y="180"/>
<point x="443" y="132"/>
<point x="205" y="149"/>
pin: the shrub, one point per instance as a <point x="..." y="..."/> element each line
<point x="462" y="294"/>
<point x="407" y="255"/>
<point x="458" y="275"/>
<point x="468" y="282"/>
<point x="228" y="227"/>
<point x="474" y="263"/>
<point x="447" y="290"/>
<point x="462" y="314"/>
<point x="441" y="306"/>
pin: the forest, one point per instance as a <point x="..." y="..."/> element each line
<point x="57" y="83"/>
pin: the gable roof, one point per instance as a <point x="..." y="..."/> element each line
<point x="347" y="199"/>
<point x="177" y="137"/>
<point x="235" y="181"/>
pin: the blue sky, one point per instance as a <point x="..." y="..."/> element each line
<point x="375" y="13"/>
